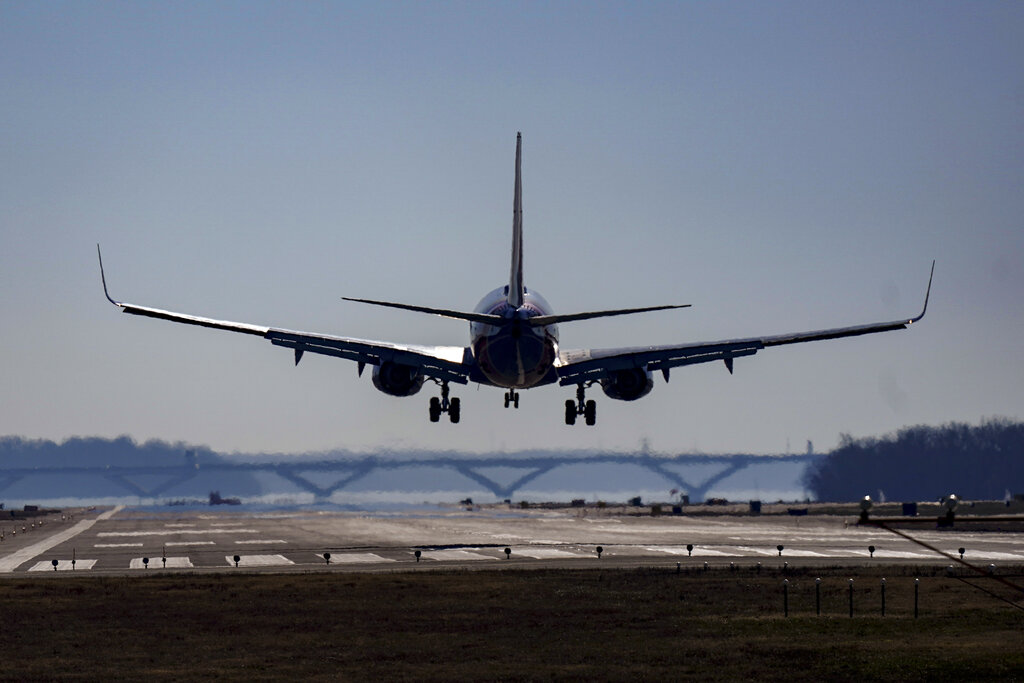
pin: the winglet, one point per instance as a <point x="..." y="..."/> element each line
<point x="515" y="281"/>
<point x="926" y="295"/>
<point x="104" y="277"/>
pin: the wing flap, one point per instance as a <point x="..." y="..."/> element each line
<point x="447" y="363"/>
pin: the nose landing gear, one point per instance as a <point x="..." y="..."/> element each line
<point x="445" y="405"/>
<point x="581" y="406"/>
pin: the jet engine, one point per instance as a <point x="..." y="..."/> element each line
<point x="397" y="379"/>
<point x="628" y="385"/>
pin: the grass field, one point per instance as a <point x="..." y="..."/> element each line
<point x="638" y="624"/>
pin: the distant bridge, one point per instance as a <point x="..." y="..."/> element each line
<point x="310" y="475"/>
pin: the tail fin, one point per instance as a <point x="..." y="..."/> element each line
<point x="515" y="281"/>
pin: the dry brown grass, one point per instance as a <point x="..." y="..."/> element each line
<point x="510" y="625"/>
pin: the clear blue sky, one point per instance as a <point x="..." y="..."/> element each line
<point x="781" y="166"/>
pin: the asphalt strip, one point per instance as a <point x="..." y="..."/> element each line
<point x="13" y="561"/>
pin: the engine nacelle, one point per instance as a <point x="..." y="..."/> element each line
<point x="628" y="385"/>
<point x="397" y="379"/>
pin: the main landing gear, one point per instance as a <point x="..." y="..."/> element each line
<point x="512" y="398"/>
<point x="588" y="409"/>
<point x="445" y="405"/>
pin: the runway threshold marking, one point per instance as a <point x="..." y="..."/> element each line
<point x="62" y="565"/>
<point x="20" y="557"/>
<point x="357" y="558"/>
<point x="258" y="560"/>
<point x="167" y="532"/>
<point x="698" y="551"/>
<point x="117" y="545"/>
<point x="157" y="563"/>
<point x="546" y="553"/>
<point x="260" y="541"/>
<point x="443" y="555"/>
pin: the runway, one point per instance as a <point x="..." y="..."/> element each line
<point x="130" y="541"/>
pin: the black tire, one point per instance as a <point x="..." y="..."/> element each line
<point x="454" y="410"/>
<point x="435" y="409"/>
<point x="570" y="411"/>
<point x="590" y="412"/>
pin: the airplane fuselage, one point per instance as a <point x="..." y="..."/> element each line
<point x="513" y="355"/>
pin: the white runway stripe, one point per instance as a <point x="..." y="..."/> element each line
<point x="167" y="532"/>
<point x="356" y="558"/>
<point x="118" y="545"/>
<point x="258" y="560"/>
<point x="884" y="553"/>
<point x="547" y="553"/>
<point x="180" y="543"/>
<point x="157" y="563"/>
<point x="443" y="555"/>
<point x="698" y="551"/>
<point x="747" y="550"/>
<point x="260" y="541"/>
<point x="991" y="555"/>
<point x="62" y="565"/>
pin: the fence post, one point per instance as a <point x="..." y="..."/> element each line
<point x="883" y="596"/>
<point x="917" y="586"/>
<point x="817" y="596"/>
<point x="851" y="598"/>
<point x="785" y="597"/>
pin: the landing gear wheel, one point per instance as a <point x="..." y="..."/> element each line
<point x="435" y="409"/>
<point x="590" y="412"/>
<point x="511" y="398"/>
<point x="570" y="411"/>
<point x="454" y="410"/>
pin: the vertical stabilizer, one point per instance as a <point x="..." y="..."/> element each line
<point x="515" y="281"/>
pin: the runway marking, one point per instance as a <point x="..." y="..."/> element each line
<point x="797" y="552"/>
<point x="990" y="555"/>
<point x="179" y="526"/>
<point x="62" y="565"/>
<point x="227" y="524"/>
<point x="14" y="560"/>
<point x="258" y="560"/>
<point x="258" y="541"/>
<point x="546" y="553"/>
<point x="170" y="543"/>
<point x="746" y="550"/>
<point x="157" y="563"/>
<point x="167" y="532"/>
<point x="698" y="551"/>
<point x="444" y="555"/>
<point x="885" y="553"/>
<point x="118" y="545"/>
<point x="357" y="558"/>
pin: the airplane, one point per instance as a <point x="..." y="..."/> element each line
<point x="514" y="345"/>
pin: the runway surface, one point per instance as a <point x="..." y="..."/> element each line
<point x="121" y="540"/>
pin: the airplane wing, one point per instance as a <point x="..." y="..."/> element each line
<point x="587" y="365"/>
<point x="451" y="363"/>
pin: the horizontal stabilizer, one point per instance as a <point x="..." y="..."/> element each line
<point x="486" y="318"/>
<point x="554" y="319"/>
